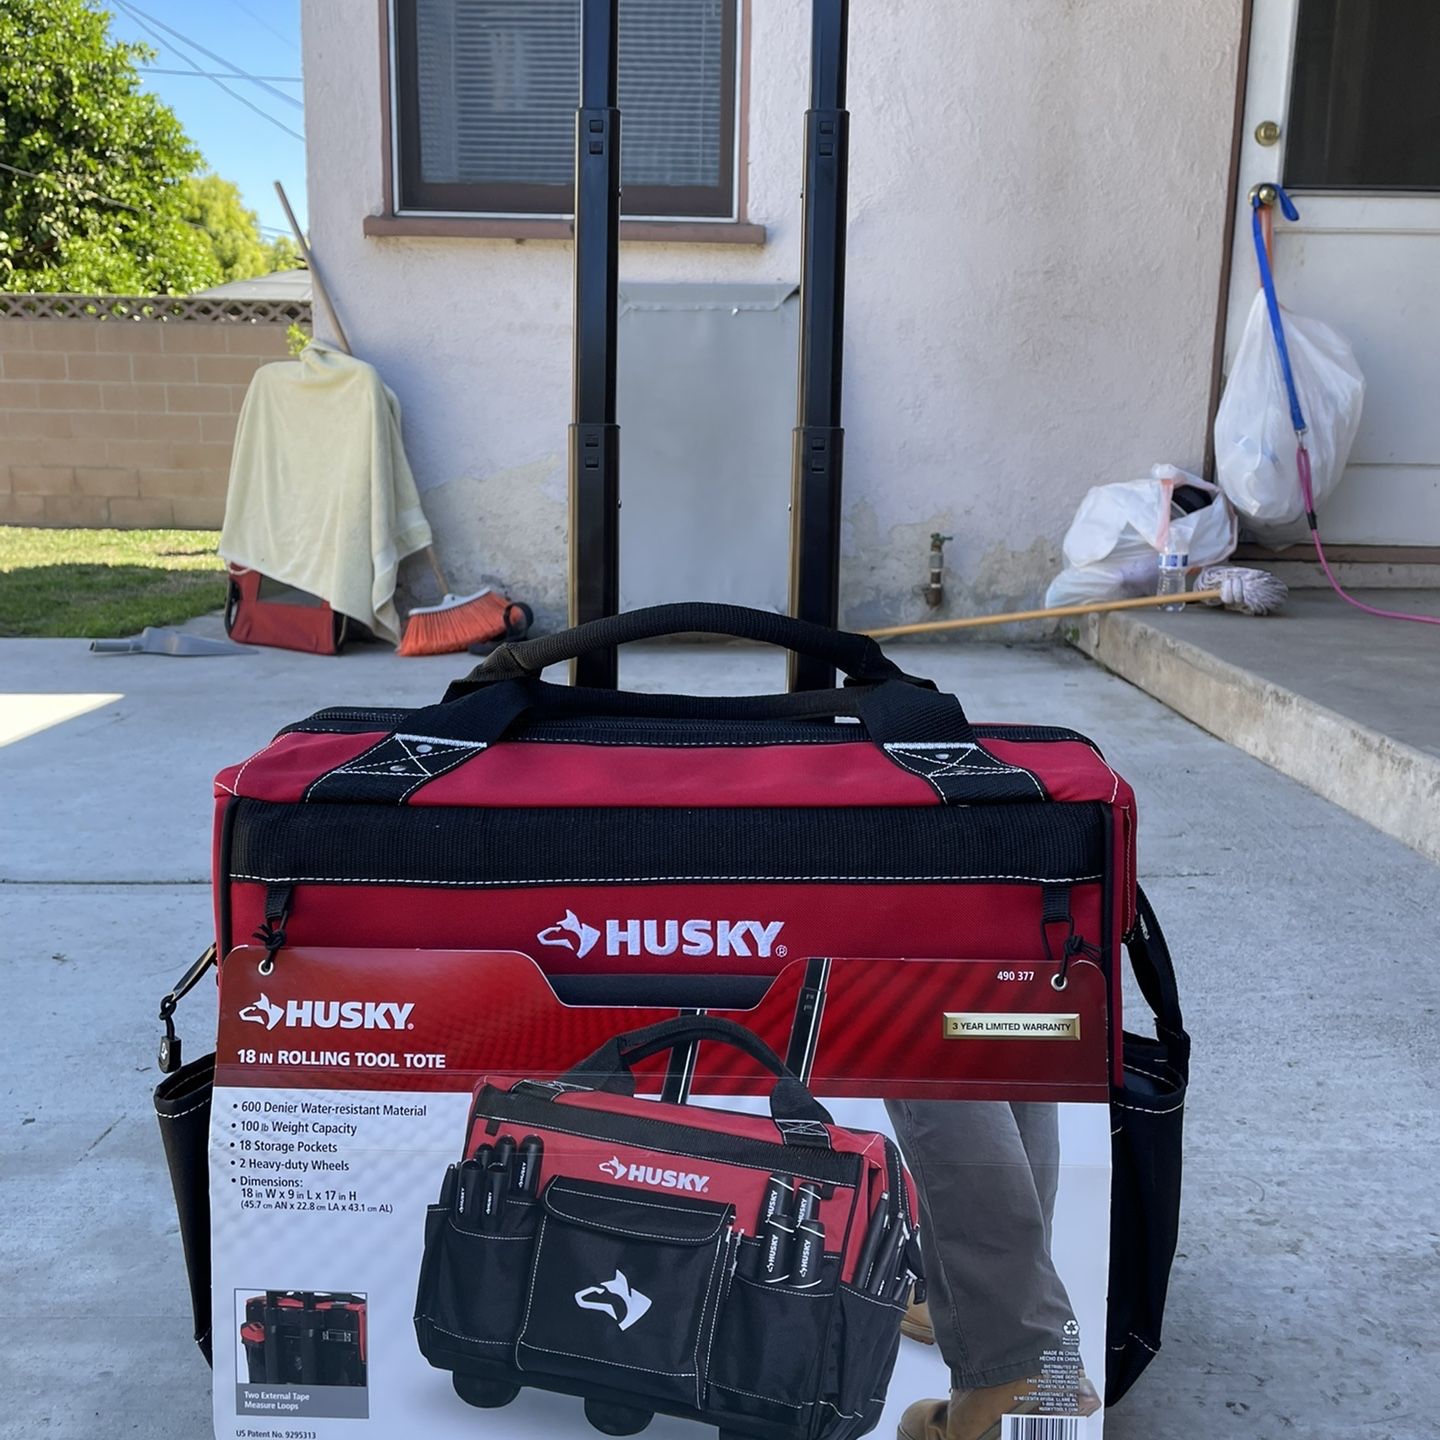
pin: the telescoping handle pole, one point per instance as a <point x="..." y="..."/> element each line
<point x="594" y="434"/>
<point x="818" y="452"/>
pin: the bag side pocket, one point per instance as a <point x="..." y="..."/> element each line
<point x="473" y="1282"/>
<point x="182" y="1108"/>
<point x="766" y="1357"/>
<point x="860" y="1358"/>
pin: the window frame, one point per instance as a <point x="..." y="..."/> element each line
<point x="524" y="204"/>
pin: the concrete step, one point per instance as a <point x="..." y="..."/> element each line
<point x="1345" y="703"/>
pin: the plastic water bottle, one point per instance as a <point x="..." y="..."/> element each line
<point x="1173" y="565"/>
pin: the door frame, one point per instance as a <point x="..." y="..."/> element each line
<point x="1373" y="217"/>
<point x="1227" y="235"/>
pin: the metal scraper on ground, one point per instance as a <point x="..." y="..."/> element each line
<point x="157" y="640"/>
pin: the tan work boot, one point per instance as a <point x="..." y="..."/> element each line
<point x="976" y="1414"/>
<point x="917" y="1324"/>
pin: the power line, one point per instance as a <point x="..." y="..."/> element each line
<point x="89" y="193"/>
<point x="141" y="17"/>
<point x="221" y="74"/>
<point x="92" y="194"/>
<point x="234" y="95"/>
<point x="266" y="25"/>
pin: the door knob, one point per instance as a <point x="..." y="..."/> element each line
<point x="1267" y="132"/>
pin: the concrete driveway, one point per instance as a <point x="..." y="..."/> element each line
<point x="1306" y="1299"/>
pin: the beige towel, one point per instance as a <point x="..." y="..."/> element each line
<point x="321" y="496"/>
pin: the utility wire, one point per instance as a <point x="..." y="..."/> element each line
<point x="149" y="21"/>
<point x="92" y="194"/>
<point x="264" y="114"/>
<point x="265" y="24"/>
<point x="221" y="74"/>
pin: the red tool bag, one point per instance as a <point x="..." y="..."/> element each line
<point x="722" y="1267"/>
<point x="660" y="845"/>
<point x="262" y="611"/>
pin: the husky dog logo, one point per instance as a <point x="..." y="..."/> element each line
<point x="571" y="932"/>
<point x="264" y="1012"/>
<point x="616" y="1167"/>
<point x="616" y="1299"/>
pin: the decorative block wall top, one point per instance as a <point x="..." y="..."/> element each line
<point x="217" y="309"/>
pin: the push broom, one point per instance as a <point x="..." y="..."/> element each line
<point x="457" y="621"/>
<point x="1251" y="592"/>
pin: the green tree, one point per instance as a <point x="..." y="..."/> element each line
<point x="214" y="204"/>
<point x="283" y="254"/>
<point x="94" y="195"/>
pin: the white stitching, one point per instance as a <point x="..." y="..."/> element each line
<point x="180" y="1113"/>
<point x="240" y="773"/>
<point x="700" y="1331"/>
<point x="664" y="880"/>
<point x="483" y="1235"/>
<point x="530" y="1296"/>
<point x="653" y="1204"/>
<point x="755" y="1395"/>
<point x="786" y="1291"/>
<point x="469" y="1339"/>
<point x="1143" y="1110"/>
<point x="594" y="1360"/>
<point x="589" y="1224"/>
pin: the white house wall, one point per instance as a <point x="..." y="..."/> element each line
<point x="1036" y="225"/>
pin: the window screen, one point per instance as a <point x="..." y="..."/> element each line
<point x="1365" y="105"/>
<point x="487" y="91"/>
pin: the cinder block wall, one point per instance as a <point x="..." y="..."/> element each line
<point x="123" y="423"/>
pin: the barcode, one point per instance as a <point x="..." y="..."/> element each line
<point x="1040" y="1427"/>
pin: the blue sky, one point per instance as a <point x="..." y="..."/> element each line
<point x="259" y="37"/>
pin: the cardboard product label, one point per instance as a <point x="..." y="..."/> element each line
<point x="419" y="1226"/>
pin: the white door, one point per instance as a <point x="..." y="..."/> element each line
<point x="1354" y="88"/>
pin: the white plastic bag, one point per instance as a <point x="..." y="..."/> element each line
<point x="1112" y="548"/>
<point x="1254" y="434"/>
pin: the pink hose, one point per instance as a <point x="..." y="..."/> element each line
<point x="1302" y="461"/>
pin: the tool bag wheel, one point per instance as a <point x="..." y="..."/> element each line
<point x="484" y="1394"/>
<point x="610" y="1419"/>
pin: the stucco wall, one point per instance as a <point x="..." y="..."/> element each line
<point x="1036" y="224"/>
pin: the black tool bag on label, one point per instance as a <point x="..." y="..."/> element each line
<point x="304" y="1337"/>
<point x="744" y="1271"/>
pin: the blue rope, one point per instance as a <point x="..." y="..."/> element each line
<point x="1272" y="303"/>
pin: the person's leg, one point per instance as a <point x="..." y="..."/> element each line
<point x="1039" y="1128"/>
<point x="995" y="1300"/>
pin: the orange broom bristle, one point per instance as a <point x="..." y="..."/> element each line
<point x="456" y="623"/>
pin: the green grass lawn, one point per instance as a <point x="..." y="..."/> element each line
<point x="100" y="584"/>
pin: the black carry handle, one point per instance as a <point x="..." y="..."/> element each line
<point x="858" y="656"/>
<point x="609" y="1067"/>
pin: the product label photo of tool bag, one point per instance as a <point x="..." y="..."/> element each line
<point x="303" y="1337"/>
<point x="652" y="1256"/>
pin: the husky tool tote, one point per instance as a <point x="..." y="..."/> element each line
<point x="615" y="836"/>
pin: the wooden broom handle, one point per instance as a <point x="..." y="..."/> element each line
<point x="974" y="622"/>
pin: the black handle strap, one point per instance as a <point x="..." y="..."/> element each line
<point x="1154" y="972"/>
<point x="857" y="656"/>
<point x="609" y="1068"/>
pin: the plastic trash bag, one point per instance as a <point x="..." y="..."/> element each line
<point x="1112" y="548"/>
<point x="1254" y="434"/>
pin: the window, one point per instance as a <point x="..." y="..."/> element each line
<point x="1365" y="110"/>
<point x="485" y="103"/>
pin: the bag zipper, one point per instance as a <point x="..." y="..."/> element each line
<point x="602" y="729"/>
